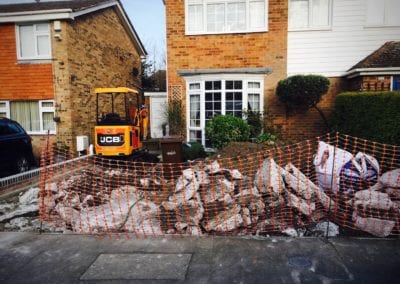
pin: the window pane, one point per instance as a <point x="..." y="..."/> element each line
<point x="47" y="104"/>
<point x="195" y="18"/>
<point x="27" y="114"/>
<point x="42" y="27"/>
<point x="27" y="46"/>
<point x="392" y="12"/>
<point x="238" y="84"/>
<point x="254" y="85"/>
<point x="396" y="83"/>
<point x="298" y="14"/>
<point x="375" y="12"/>
<point x="254" y="102"/>
<point x="236" y="16"/>
<point x="320" y="13"/>
<point x="257" y="14"/>
<point x="48" y="122"/>
<point x="195" y="86"/>
<point x="195" y="136"/>
<point x="217" y="85"/>
<point x="195" y="110"/>
<point x="3" y="114"/>
<point x="43" y="47"/>
<point x="209" y="85"/>
<point x="215" y="17"/>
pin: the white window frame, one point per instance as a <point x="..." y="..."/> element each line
<point x="35" y="36"/>
<point x="384" y="22"/>
<point x="42" y="110"/>
<point x="201" y="79"/>
<point x="311" y="26"/>
<point x="225" y="30"/>
<point x="6" y="108"/>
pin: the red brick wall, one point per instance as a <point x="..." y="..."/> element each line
<point x="21" y="81"/>
<point x="310" y="124"/>
<point x="370" y="83"/>
<point x="247" y="50"/>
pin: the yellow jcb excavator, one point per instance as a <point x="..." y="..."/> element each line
<point x="121" y="124"/>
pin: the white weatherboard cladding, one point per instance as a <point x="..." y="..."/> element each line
<point x="332" y="52"/>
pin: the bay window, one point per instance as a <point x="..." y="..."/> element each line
<point x="36" y="117"/>
<point x="209" y="97"/>
<point x="226" y="16"/>
<point x="33" y="41"/>
<point x="309" y="14"/>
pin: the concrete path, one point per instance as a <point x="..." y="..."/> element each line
<point x="34" y="258"/>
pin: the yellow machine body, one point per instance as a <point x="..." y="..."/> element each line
<point x="116" y="136"/>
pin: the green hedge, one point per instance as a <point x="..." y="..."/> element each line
<point x="373" y="116"/>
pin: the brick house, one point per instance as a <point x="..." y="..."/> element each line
<point x="225" y="56"/>
<point x="53" y="55"/>
<point x="379" y="71"/>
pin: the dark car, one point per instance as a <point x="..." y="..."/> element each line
<point x="16" y="155"/>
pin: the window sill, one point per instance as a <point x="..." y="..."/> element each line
<point x="226" y="33"/>
<point x="40" y="133"/>
<point x="34" y="61"/>
<point x="315" y="29"/>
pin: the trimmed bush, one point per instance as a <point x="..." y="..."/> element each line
<point x="223" y="129"/>
<point x="300" y="92"/>
<point x="369" y="115"/>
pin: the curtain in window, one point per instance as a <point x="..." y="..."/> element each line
<point x="215" y="17"/>
<point x="392" y="12"/>
<point x="320" y="13"/>
<point x="26" y="39"/>
<point x="254" y="102"/>
<point x="257" y="14"/>
<point x="27" y="114"/>
<point x="298" y="14"/>
<point x="48" y="122"/>
<point x="375" y="12"/>
<point x="195" y="18"/>
<point x="195" y="110"/>
<point x="236" y="16"/>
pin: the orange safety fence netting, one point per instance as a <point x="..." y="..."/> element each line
<point x="351" y="182"/>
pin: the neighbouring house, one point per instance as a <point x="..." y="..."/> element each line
<point x="52" y="56"/>
<point x="225" y="57"/>
<point x="379" y="71"/>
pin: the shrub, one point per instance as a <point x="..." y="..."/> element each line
<point x="174" y="115"/>
<point x="223" y="129"/>
<point x="373" y="116"/>
<point x="193" y="151"/>
<point x="300" y="92"/>
<point x="266" y="137"/>
<point x="254" y="120"/>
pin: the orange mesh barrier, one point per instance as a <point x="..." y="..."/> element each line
<point x="350" y="182"/>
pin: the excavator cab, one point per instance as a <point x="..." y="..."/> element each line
<point x="121" y="122"/>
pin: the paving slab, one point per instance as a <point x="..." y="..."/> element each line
<point x="58" y="258"/>
<point x="138" y="266"/>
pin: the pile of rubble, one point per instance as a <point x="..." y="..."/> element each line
<point x="208" y="199"/>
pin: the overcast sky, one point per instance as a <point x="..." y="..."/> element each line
<point x="148" y="18"/>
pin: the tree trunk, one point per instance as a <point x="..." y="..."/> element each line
<point x="321" y="113"/>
